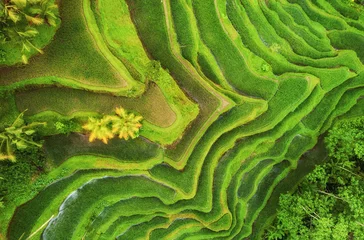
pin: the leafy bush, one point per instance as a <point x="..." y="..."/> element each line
<point x="66" y="127"/>
<point x="153" y="71"/>
<point x="17" y="18"/>
<point x="16" y="177"/>
<point x="346" y="140"/>
<point x="18" y="135"/>
<point x="329" y="203"/>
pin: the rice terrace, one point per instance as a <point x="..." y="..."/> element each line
<point x="181" y="119"/>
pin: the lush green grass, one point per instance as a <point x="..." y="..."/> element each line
<point x="321" y="44"/>
<point x="153" y="36"/>
<point x="73" y="54"/>
<point x="200" y="201"/>
<point x="108" y="190"/>
<point x="232" y="63"/>
<point x="186" y="33"/>
<point x="65" y="101"/>
<point x="316" y="14"/>
<point x="61" y="147"/>
<point x="118" y="32"/>
<point x="350" y="99"/>
<point x="275" y="51"/>
<point x="247" y="182"/>
<point x="316" y="118"/>
<point x="50" y="198"/>
<point x="298" y="44"/>
<point x="345" y="10"/>
<point x="356" y="111"/>
<point x="8" y="110"/>
<point x="348" y="40"/>
<point x="191" y="45"/>
<point x="303" y="19"/>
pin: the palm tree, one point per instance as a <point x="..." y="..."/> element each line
<point x="17" y="135"/>
<point x="99" y="129"/>
<point x="123" y="124"/>
<point x="126" y="125"/>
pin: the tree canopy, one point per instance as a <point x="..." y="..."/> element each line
<point x="329" y="203"/>
<point x="19" y="18"/>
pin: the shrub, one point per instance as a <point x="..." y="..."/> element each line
<point x="16" y="177"/>
<point x="68" y="126"/>
<point x="17" y="136"/>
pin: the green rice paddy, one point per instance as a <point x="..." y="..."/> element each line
<point x="245" y="92"/>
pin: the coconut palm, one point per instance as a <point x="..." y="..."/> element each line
<point x="17" y="135"/>
<point x="99" y="129"/>
<point x="122" y="124"/>
<point x="127" y="125"/>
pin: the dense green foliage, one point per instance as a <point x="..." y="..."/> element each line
<point x="358" y="1"/>
<point x="328" y="203"/>
<point x="346" y="140"/>
<point x="68" y="126"/>
<point x="18" y="135"/>
<point x="18" y="19"/>
<point x="23" y="178"/>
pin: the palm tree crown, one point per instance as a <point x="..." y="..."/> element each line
<point x="122" y="124"/>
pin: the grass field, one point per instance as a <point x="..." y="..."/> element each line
<point x="66" y="101"/>
<point x="235" y="95"/>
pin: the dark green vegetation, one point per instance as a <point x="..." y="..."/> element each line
<point x="328" y="203"/>
<point x="56" y="99"/>
<point x="234" y="95"/>
<point x="60" y="148"/>
<point x="30" y="163"/>
<point x="21" y="21"/>
<point x="17" y="136"/>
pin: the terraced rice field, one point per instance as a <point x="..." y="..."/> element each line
<point x="246" y="89"/>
